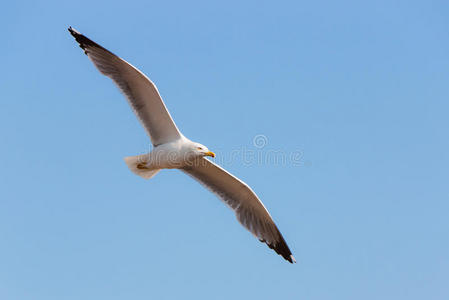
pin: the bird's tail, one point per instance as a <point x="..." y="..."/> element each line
<point x="139" y="165"/>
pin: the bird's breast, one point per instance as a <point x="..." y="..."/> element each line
<point x="169" y="157"/>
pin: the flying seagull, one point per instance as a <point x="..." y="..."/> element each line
<point x="172" y="150"/>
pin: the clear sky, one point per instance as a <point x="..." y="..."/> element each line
<point x="352" y="95"/>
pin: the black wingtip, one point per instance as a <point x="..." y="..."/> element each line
<point x="84" y="41"/>
<point x="81" y="39"/>
<point x="281" y="248"/>
<point x="73" y="32"/>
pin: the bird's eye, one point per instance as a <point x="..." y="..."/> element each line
<point x="199" y="148"/>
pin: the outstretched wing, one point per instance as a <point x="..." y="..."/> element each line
<point x="249" y="210"/>
<point x="141" y="93"/>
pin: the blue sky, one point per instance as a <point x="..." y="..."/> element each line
<point x="358" y="89"/>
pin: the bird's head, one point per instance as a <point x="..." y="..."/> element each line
<point x="201" y="150"/>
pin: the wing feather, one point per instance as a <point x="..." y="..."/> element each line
<point x="140" y="91"/>
<point x="249" y="210"/>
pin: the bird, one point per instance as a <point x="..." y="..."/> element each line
<point x="172" y="150"/>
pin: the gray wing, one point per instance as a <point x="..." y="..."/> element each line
<point x="249" y="210"/>
<point x="141" y="93"/>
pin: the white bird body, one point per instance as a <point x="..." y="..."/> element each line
<point x="174" y="151"/>
<point x="177" y="154"/>
<point x="171" y="155"/>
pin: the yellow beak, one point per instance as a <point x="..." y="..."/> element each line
<point x="210" y="153"/>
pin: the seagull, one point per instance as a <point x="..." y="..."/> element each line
<point x="172" y="150"/>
